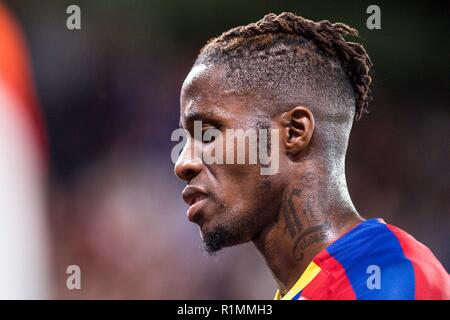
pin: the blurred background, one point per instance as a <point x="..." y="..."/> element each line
<point x="98" y="188"/>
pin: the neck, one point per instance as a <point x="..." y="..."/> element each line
<point x="315" y="212"/>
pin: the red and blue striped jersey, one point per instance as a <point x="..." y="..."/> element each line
<point x="373" y="261"/>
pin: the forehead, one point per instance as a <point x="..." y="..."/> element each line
<point x="205" y="92"/>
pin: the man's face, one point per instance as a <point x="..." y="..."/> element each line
<point x="231" y="203"/>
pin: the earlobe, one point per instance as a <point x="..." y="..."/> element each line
<point x="298" y="127"/>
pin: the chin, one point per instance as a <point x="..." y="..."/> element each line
<point x="221" y="236"/>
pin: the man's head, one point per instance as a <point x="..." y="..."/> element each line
<point x="283" y="72"/>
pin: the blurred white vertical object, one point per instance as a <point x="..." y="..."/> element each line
<point x="23" y="237"/>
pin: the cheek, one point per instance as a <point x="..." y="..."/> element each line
<point x="243" y="187"/>
<point x="233" y="147"/>
<point x="235" y="178"/>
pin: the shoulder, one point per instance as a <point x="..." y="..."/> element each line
<point x="380" y="261"/>
<point x="431" y="279"/>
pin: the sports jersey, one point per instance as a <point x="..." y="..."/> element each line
<point x="374" y="260"/>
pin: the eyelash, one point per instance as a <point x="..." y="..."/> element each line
<point x="203" y="132"/>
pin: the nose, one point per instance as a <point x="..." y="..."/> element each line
<point x="186" y="168"/>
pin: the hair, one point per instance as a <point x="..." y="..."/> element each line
<point x="297" y="56"/>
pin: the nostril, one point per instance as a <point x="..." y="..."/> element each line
<point x="187" y="170"/>
<point x="189" y="174"/>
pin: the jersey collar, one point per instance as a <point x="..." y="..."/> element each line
<point x="308" y="275"/>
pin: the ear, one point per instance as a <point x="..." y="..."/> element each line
<point x="298" y="127"/>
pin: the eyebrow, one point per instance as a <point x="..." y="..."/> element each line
<point x="194" y="115"/>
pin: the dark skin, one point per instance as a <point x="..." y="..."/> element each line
<point x="290" y="216"/>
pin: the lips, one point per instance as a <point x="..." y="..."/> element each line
<point x="195" y="197"/>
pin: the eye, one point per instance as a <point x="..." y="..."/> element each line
<point x="212" y="137"/>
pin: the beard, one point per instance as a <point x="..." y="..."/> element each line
<point x="236" y="226"/>
<point x="230" y="233"/>
<point x="217" y="239"/>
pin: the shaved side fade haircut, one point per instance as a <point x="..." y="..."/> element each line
<point x="287" y="60"/>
